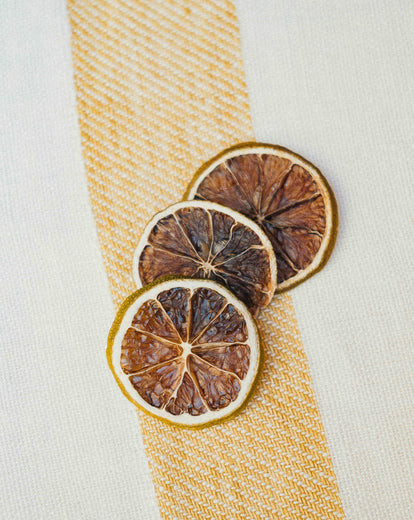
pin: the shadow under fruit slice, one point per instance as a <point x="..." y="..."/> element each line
<point x="284" y="194"/>
<point x="205" y="240"/>
<point x="185" y="350"/>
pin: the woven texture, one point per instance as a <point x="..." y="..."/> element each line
<point x="323" y="79"/>
<point x="160" y="90"/>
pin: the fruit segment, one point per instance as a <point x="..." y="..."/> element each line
<point x="232" y="358"/>
<point x="175" y="303"/>
<point x="187" y="400"/>
<point x="217" y="387"/>
<point x="141" y="350"/>
<point x="156" y="384"/>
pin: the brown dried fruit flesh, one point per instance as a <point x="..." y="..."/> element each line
<point x="185" y="351"/>
<point x="284" y="194"/>
<point x="204" y="240"/>
<point x="212" y="376"/>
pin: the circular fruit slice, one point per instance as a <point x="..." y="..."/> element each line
<point x="185" y="350"/>
<point x="284" y="194"/>
<point x="206" y="240"/>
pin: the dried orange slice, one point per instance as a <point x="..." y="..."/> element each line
<point x="186" y="351"/>
<point x="206" y="240"/>
<point x="284" y="194"/>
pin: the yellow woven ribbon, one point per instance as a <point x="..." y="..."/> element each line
<point x="160" y="90"/>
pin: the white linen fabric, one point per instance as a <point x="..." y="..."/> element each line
<point x="330" y="80"/>
<point x="334" y="82"/>
<point x="69" y="448"/>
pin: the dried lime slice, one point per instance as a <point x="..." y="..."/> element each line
<point x="284" y="194"/>
<point x="206" y="240"/>
<point x="186" y="351"/>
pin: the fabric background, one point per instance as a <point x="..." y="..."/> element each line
<point x="161" y="90"/>
<point x="332" y="81"/>
<point x="68" y="450"/>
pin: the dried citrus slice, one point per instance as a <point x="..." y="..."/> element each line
<point x="186" y="351"/>
<point x="284" y="194"/>
<point x="206" y="240"/>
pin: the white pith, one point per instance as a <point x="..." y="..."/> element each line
<point x="238" y="217"/>
<point x="245" y="384"/>
<point x="285" y="154"/>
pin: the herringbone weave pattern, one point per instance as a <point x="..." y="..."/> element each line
<point x="160" y="90"/>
